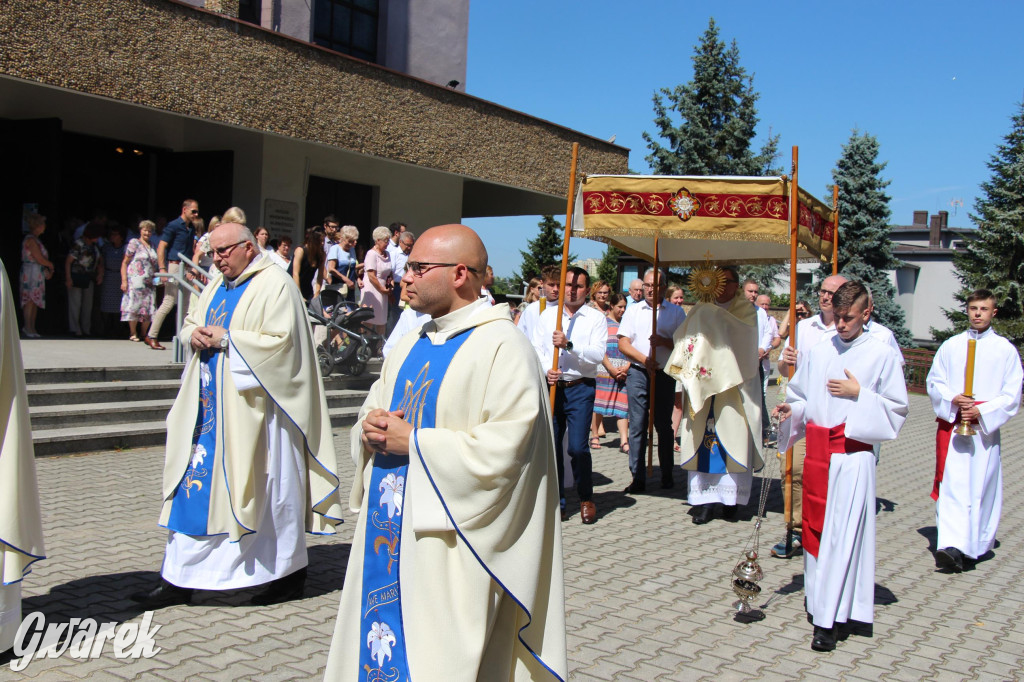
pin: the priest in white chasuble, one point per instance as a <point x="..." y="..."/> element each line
<point x="847" y="395"/>
<point x="456" y="566"/>
<point x="21" y="526"/>
<point x="716" y="360"/>
<point x="968" y="487"/>
<point x="250" y="460"/>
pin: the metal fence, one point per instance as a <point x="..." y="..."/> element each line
<point x="915" y="371"/>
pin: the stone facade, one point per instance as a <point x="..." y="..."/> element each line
<point x="191" y="62"/>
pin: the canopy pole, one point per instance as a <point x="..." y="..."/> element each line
<point x="835" y="229"/>
<point x="565" y="261"/>
<point x="794" y="220"/>
<point x="651" y="372"/>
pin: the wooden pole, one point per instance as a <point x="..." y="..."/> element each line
<point x="835" y="229"/>
<point x="652" y="372"/>
<point x="570" y="202"/>
<point x="794" y="221"/>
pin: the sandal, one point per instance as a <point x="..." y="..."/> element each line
<point x="595" y="442"/>
<point x="133" y="338"/>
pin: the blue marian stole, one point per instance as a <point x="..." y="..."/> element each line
<point x="190" y="508"/>
<point x="711" y="454"/>
<point x="383" y="636"/>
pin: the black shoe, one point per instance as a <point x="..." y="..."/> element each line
<point x="165" y="594"/>
<point x="703" y="513"/>
<point x="950" y="559"/>
<point x="728" y="511"/>
<point x="667" y="483"/>
<point x="282" y="590"/>
<point x="824" y="639"/>
<point x="635" y="487"/>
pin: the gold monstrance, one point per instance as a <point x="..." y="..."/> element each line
<point x="707" y="282"/>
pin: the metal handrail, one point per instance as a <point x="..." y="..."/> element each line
<point x="183" y="284"/>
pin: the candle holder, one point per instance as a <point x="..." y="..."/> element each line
<point x="963" y="427"/>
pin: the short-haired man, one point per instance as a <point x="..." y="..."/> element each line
<point x="549" y="275"/>
<point x="721" y="420"/>
<point x="647" y="351"/>
<point x="635" y="293"/>
<point x="848" y="394"/>
<point x="580" y="346"/>
<point x="968" y="487"/>
<point x="178" y="238"/>
<point x="764" y="347"/>
<point x="250" y="457"/>
<point x="457" y="492"/>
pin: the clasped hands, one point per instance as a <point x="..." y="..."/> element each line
<point x="205" y="338"/>
<point x="967" y="406"/>
<point x="385" y="431"/>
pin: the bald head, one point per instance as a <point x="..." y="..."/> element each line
<point x="454" y="281"/>
<point x="828" y="287"/>
<point x="233" y="248"/>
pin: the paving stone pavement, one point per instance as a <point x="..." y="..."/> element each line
<point x="647" y="592"/>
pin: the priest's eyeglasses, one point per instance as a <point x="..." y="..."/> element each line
<point x="223" y="251"/>
<point x="419" y="268"/>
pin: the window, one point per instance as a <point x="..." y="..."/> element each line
<point x="347" y="26"/>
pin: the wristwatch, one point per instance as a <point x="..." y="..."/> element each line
<point x="568" y="345"/>
<point x="224" y="342"/>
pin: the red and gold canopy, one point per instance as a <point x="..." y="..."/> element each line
<point x="737" y="220"/>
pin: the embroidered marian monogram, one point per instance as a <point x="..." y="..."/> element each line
<point x="383" y="658"/>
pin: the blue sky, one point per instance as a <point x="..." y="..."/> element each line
<point x="935" y="82"/>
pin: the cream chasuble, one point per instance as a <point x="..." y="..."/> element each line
<point x="275" y="463"/>
<point x="21" y="527"/>
<point x="715" y="360"/>
<point x="481" y="549"/>
<point x="970" y="490"/>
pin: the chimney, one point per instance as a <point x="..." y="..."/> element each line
<point x="935" y="232"/>
<point x="945" y="219"/>
<point x="921" y="218"/>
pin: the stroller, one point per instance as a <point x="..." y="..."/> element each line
<point x="350" y="344"/>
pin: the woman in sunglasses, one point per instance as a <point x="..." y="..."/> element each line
<point x="803" y="311"/>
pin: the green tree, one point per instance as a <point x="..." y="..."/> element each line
<point x="865" y="250"/>
<point x="766" y="276"/>
<point x="710" y="122"/>
<point x="544" y="249"/>
<point x="608" y="269"/>
<point x="995" y="258"/>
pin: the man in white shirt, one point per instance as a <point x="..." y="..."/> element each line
<point x="635" y="339"/>
<point x="550" y="275"/>
<point x="764" y="302"/>
<point x="764" y="346"/>
<point x="581" y="346"/>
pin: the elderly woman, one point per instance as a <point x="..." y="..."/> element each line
<point x="36" y="268"/>
<point x="82" y="269"/>
<point x="342" y="262"/>
<point x="377" y="281"/>
<point x="138" y="267"/>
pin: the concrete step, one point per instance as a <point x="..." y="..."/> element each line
<point x="80" y="439"/>
<point x="108" y="392"/>
<point x="75" y="375"/>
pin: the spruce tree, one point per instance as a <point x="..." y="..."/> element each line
<point x="865" y="250"/>
<point x="544" y="249"/>
<point x="716" y="118"/>
<point x="608" y="268"/>
<point x="995" y="258"/>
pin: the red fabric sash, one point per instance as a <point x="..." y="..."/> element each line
<point x="821" y="444"/>
<point x="942" y="436"/>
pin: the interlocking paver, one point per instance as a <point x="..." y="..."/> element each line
<point x="647" y="592"/>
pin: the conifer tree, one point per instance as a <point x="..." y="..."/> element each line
<point x="608" y="270"/>
<point x="716" y="118"/>
<point x="865" y="250"/>
<point x="544" y="249"/>
<point x="995" y="258"/>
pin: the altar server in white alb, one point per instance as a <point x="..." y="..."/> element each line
<point x="250" y="458"/>
<point x="456" y="564"/>
<point x="21" y="527"/>
<point x="968" y="487"/>
<point x="847" y="395"/>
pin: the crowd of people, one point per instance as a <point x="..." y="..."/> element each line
<point x="462" y="443"/>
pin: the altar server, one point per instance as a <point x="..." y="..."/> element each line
<point x="968" y="487"/>
<point x="456" y="566"/>
<point x="21" y="526"/>
<point x="847" y="395"/>
<point x="250" y="458"/>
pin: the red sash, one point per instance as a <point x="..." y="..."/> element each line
<point x="821" y="444"/>
<point x="942" y="436"/>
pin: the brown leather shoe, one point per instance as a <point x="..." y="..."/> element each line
<point x="153" y="343"/>
<point x="588" y="512"/>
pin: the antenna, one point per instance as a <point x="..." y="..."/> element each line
<point x="956" y="202"/>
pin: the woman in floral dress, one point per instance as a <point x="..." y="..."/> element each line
<point x="137" y="271"/>
<point x="36" y="268"/>
<point x="610" y="398"/>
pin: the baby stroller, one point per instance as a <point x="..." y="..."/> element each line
<point x="350" y="344"/>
